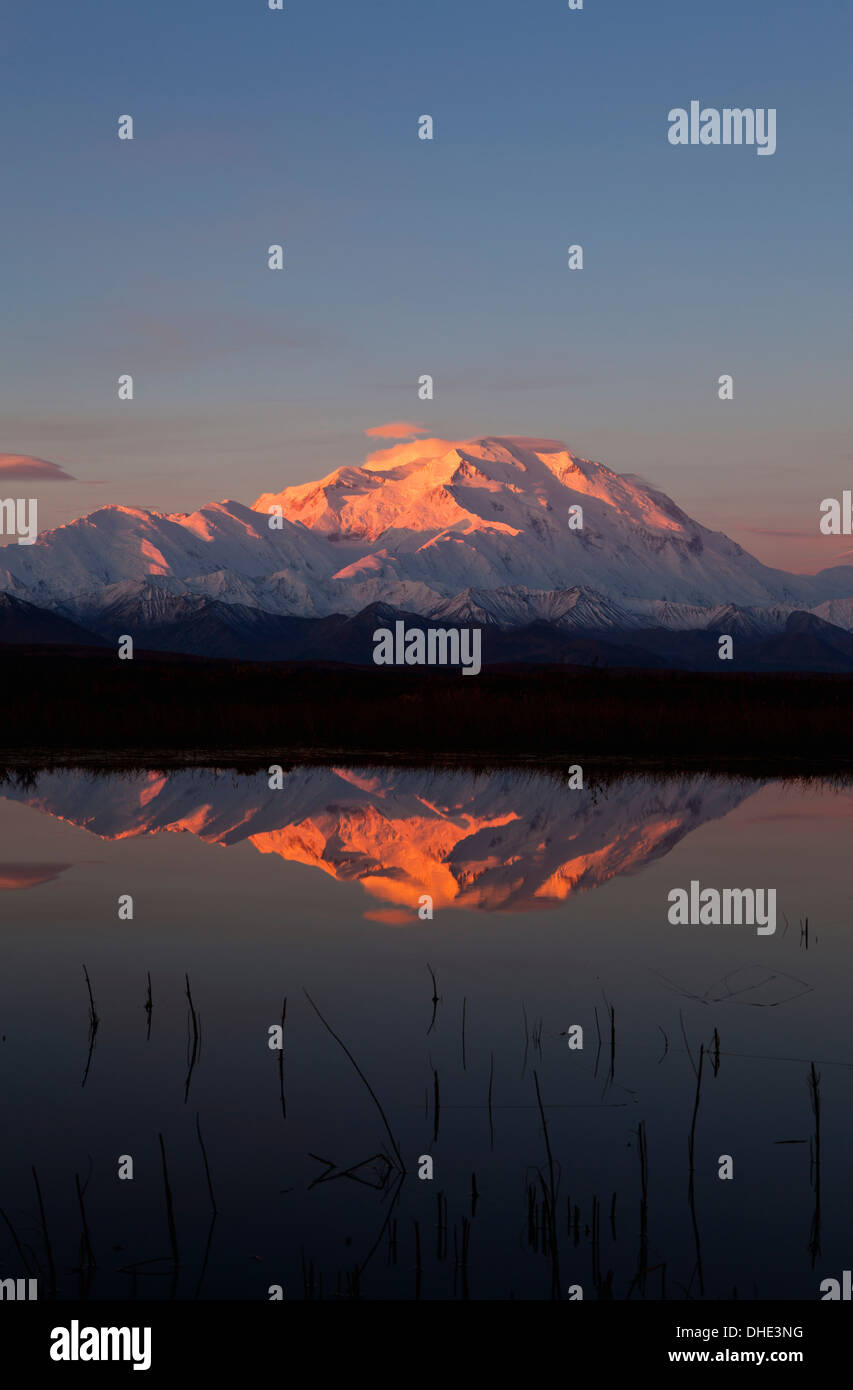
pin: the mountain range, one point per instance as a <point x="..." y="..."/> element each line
<point x="455" y="534"/>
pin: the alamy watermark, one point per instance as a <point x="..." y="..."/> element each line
<point x="13" y="1290"/>
<point x="76" y="1343"/>
<point x="19" y="517"/>
<point x="837" y="518"/>
<point x="435" y="646"/>
<point x="726" y="907"/>
<point x="731" y="126"/>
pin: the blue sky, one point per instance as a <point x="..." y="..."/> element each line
<point x="406" y="256"/>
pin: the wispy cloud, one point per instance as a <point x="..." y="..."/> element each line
<point x="771" y="531"/>
<point x="407" y="452"/>
<point x="25" y="468"/>
<point x="396" y="429"/>
<point x="391" y="916"/>
<point x="14" y="876"/>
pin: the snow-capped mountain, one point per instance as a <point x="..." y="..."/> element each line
<point x="475" y="532"/>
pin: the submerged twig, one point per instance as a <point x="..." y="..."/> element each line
<point x="435" y="999"/>
<point x="213" y="1205"/>
<point x="170" y="1214"/>
<point x="89" y="1253"/>
<point x="281" y="1061"/>
<point x="436" y="1106"/>
<point x="552" y="1213"/>
<point x="373" y="1094"/>
<point x="93" y="1026"/>
<point x="196" y="1040"/>
<point x="814" y="1097"/>
<point x="692" y="1140"/>
<point x="526" y="1039"/>
<point x="691" y="1191"/>
<point x="48" y="1247"/>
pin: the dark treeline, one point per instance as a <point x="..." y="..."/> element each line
<point x="73" y="700"/>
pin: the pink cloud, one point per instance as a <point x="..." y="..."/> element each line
<point x="408" y="452"/>
<point x="14" y="876"/>
<point x="786" y="535"/>
<point x="395" y="429"/>
<point x="28" y="469"/>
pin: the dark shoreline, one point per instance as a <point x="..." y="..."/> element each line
<point x="78" y="706"/>
<point x="26" y="763"/>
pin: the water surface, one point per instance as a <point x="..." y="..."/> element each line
<point x="550" y="910"/>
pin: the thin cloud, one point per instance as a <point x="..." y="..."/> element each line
<point x="396" y="429"/>
<point x="391" y="916"/>
<point x="407" y="452"/>
<point x="771" y="531"/>
<point x="25" y="468"/>
<point x="16" y="876"/>
<point x="642" y="480"/>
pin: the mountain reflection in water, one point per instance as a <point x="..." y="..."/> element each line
<point x="485" y="842"/>
<point x="254" y="908"/>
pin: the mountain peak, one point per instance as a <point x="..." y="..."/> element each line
<point x="477" y="526"/>
<point x="493" y="483"/>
